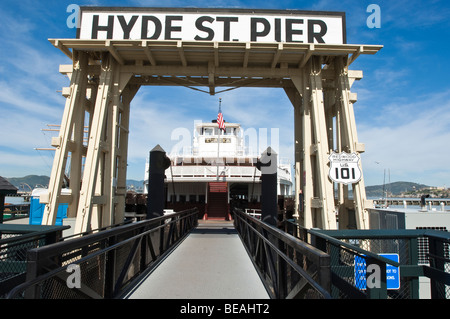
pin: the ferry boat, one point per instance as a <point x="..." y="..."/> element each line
<point x="218" y="172"/>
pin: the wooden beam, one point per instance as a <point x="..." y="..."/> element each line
<point x="63" y="48"/>
<point x="355" y="55"/>
<point x="181" y="53"/>
<point x="246" y="54"/>
<point x="114" y="52"/>
<point x="307" y="55"/>
<point x="211" y="79"/>
<point x="277" y="55"/>
<point x="148" y="53"/>
<point x="216" y="54"/>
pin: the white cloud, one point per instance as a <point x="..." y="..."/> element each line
<point x="414" y="144"/>
<point x="29" y="163"/>
<point x="413" y="14"/>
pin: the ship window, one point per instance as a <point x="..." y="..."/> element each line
<point x="230" y="130"/>
<point x="208" y="131"/>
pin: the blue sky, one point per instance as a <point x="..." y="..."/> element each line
<point x="402" y="113"/>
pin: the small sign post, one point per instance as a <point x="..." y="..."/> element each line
<point x="392" y="272"/>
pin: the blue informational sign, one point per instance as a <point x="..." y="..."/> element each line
<point x="392" y="273"/>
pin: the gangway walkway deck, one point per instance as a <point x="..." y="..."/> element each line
<point x="211" y="263"/>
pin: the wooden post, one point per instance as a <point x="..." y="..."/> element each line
<point x="311" y="163"/>
<point x="128" y="93"/>
<point x="324" y="202"/>
<point x="296" y="99"/>
<point x="96" y="146"/>
<point x="349" y="143"/>
<point x="303" y="140"/>
<point x="72" y="113"/>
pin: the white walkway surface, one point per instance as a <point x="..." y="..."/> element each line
<point x="211" y="263"/>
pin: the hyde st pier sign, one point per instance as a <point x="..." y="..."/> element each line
<point x="238" y="25"/>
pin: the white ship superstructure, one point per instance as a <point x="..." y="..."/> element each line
<point x="217" y="172"/>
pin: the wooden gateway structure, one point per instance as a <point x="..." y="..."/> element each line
<point x="110" y="62"/>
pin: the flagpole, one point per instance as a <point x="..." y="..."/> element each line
<point x="218" y="141"/>
<point x="218" y="146"/>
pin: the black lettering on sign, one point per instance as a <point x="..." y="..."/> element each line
<point x="108" y="28"/>
<point x="278" y="30"/>
<point x="144" y="30"/>
<point x="226" y="26"/>
<point x="290" y="31"/>
<point x="254" y="33"/>
<point x="199" y="25"/>
<point x="345" y="173"/>
<point x="169" y="28"/>
<point x="126" y="27"/>
<point x="319" y="35"/>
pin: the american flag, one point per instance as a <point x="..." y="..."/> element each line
<point x="220" y="119"/>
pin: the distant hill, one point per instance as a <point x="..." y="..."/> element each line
<point x="396" y="188"/>
<point x="42" y="181"/>
<point x="32" y="180"/>
<point x="135" y="184"/>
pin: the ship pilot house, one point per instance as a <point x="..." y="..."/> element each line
<point x="216" y="175"/>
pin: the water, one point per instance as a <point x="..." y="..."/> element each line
<point x="15" y="200"/>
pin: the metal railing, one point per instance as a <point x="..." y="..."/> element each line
<point x="15" y="241"/>
<point x="289" y="267"/>
<point x="437" y="267"/>
<point x="420" y="253"/>
<point x="104" y="264"/>
<point x="350" y="265"/>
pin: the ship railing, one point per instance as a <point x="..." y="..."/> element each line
<point x="104" y="264"/>
<point x="254" y="212"/>
<point x="211" y="171"/>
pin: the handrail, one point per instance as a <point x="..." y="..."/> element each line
<point x="353" y="247"/>
<point x="126" y="222"/>
<point x="27" y="232"/>
<point x="272" y="239"/>
<point x="343" y="234"/>
<point x="171" y="228"/>
<point x="52" y="273"/>
<point x="413" y="246"/>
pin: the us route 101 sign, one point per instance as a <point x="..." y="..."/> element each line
<point x="344" y="168"/>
